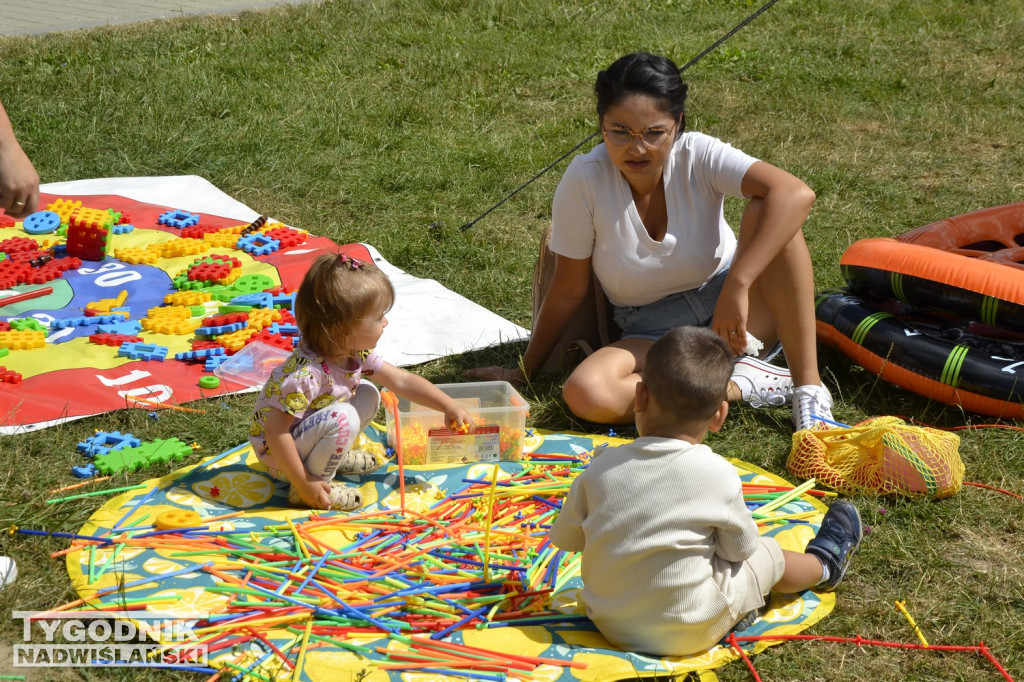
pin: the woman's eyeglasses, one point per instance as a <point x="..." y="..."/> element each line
<point x="623" y="137"/>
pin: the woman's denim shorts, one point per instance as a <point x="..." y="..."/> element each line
<point x="692" y="308"/>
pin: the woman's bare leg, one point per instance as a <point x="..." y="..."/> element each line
<point x="603" y="387"/>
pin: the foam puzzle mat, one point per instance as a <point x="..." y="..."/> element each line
<point x="108" y="301"/>
<point x="287" y="593"/>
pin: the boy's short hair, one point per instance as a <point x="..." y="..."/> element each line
<point x="687" y="372"/>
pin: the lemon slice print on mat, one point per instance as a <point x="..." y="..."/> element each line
<point x="484" y="472"/>
<point x="603" y="667"/>
<point x="159" y="566"/>
<point x="236" y="488"/>
<point x="329" y="666"/>
<point x="527" y="640"/>
<point x="532" y="441"/>
<point x="111" y="578"/>
<point x="713" y="657"/>
<point x="192" y="602"/>
<point x="418" y="497"/>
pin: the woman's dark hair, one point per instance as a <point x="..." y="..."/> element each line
<point x="641" y="73"/>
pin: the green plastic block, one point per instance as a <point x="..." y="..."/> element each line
<point x="133" y="459"/>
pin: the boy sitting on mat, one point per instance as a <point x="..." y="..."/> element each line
<point x="672" y="559"/>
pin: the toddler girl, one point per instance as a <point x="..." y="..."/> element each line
<point x="316" y="403"/>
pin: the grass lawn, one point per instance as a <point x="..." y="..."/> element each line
<point x="396" y="122"/>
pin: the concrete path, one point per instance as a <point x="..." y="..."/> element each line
<point x="34" y="17"/>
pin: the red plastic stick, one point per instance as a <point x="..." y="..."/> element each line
<point x="26" y="295"/>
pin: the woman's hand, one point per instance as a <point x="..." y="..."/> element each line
<point x="730" y="318"/>
<point x="512" y="375"/>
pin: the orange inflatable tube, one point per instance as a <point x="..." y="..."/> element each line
<point x="939" y="310"/>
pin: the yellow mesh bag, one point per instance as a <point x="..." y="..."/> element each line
<point x="883" y="455"/>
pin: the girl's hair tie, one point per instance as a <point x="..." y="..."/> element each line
<point x="349" y="262"/>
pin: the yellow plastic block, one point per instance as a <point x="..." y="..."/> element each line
<point x="104" y="305"/>
<point x="64" y="208"/>
<point x="187" y="298"/>
<point x="17" y="340"/>
<point x="220" y="240"/>
<point x="263" y="317"/>
<point x="182" y="247"/>
<point x="234" y="341"/>
<point x="170" y="325"/>
<point x="96" y="218"/>
<point x="136" y="256"/>
<point x="170" y="312"/>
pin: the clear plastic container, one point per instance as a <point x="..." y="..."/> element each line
<point x="252" y="365"/>
<point x="496" y="433"/>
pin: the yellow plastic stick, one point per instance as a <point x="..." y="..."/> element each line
<point x="301" y="660"/>
<point x="902" y="607"/>
<point x="783" y="499"/>
<point x="487" y="529"/>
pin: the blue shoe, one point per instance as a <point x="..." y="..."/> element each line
<point x="836" y="542"/>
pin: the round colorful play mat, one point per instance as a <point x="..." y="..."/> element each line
<point x="289" y="594"/>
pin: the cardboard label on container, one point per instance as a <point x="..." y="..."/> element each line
<point x="479" y="444"/>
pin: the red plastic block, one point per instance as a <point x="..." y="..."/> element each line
<point x="277" y="340"/>
<point x="287" y="236"/>
<point x="114" y="340"/>
<point x="6" y="220"/>
<point x="225" y="319"/>
<point x="9" y="377"/>
<point x="15" y="244"/>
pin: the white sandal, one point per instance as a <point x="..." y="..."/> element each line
<point x="357" y="462"/>
<point x="342" y="497"/>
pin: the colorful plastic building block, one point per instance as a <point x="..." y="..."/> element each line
<point x="200" y="354"/>
<point x="129" y="327"/>
<point x="222" y="329"/>
<point x="132" y="459"/>
<point x="213" y="362"/>
<point x="41" y="222"/>
<point x="121" y="228"/>
<point x="17" y="340"/>
<point x="103" y="441"/>
<point x="142" y="351"/>
<point x="178" y="218"/>
<point x="85" y="471"/>
<point x="286" y="236"/>
<point x="27" y="324"/>
<point x="9" y="376"/>
<point x="64" y="208"/>
<point x="257" y="244"/>
<point x="114" y="339"/>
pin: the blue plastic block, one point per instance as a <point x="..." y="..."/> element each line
<point x="284" y="329"/>
<point x="123" y="229"/>
<point x="103" y="441"/>
<point x="222" y="329"/>
<point x="126" y="327"/>
<point x="201" y="354"/>
<point x="179" y="219"/>
<point x="284" y="300"/>
<point x="257" y="244"/>
<point x="213" y="362"/>
<point x="85" y="471"/>
<point x="41" y="222"/>
<point x="261" y="299"/>
<point x="142" y="351"/>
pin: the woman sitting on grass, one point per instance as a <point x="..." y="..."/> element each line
<point x="643" y="212"/>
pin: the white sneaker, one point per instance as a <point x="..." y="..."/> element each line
<point x="8" y="570"/>
<point x="811" y="404"/>
<point x="762" y="384"/>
